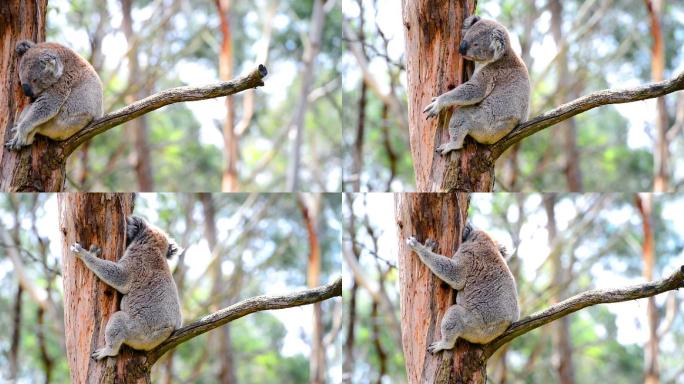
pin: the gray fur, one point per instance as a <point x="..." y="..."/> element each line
<point x="496" y="98"/>
<point x="487" y="301"/>
<point x="150" y="308"/>
<point x="65" y="92"/>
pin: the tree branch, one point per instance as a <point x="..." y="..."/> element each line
<point x="586" y="299"/>
<point x="243" y="308"/>
<point x="158" y="100"/>
<point x="585" y="103"/>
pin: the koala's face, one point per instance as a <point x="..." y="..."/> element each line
<point x="482" y="40"/>
<point x="39" y="69"/>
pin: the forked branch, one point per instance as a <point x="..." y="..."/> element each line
<point x="158" y="100"/>
<point x="585" y="103"/>
<point x="583" y="300"/>
<point x="243" y="308"/>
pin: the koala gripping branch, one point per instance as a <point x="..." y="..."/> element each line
<point x="583" y="300"/>
<point x="243" y="308"/>
<point x="170" y="96"/>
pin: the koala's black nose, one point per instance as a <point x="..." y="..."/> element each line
<point x="463" y="48"/>
<point x="27" y="90"/>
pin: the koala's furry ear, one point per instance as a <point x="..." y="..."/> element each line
<point x="467" y="231"/>
<point x="51" y="64"/>
<point x="173" y="249"/>
<point x="134" y="226"/>
<point x="498" y="44"/>
<point x="469" y="21"/>
<point x="23" y="46"/>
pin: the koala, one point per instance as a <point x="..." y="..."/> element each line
<point x="150" y="308"/>
<point x="487" y="299"/>
<point x="65" y="92"/>
<point x="496" y="98"/>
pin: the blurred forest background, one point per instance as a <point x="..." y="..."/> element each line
<point x="571" y="48"/>
<point x="280" y="137"/>
<point x="238" y="246"/>
<point x="559" y="245"/>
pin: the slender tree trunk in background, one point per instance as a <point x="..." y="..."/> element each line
<point x="30" y="169"/>
<point x="348" y="347"/>
<point x="311" y="48"/>
<point x="137" y="128"/>
<point x="94" y="219"/>
<point x="562" y="359"/>
<point x="16" y="335"/>
<point x="433" y="66"/>
<point x="46" y="360"/>
<point x="229" y="180"/>
<point x="662" y="153"/>
<point x="357" y="152"/>
<point x="424" y="298"/>
<point x="644" y="204"/>
<point x="310" y="207"/>
<point x="224" y="344"/>
<point x="573" y="175"/>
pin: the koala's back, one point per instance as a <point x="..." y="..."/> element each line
<point x="152" y="297"/>
<point x="490" y="287"/>
<point x="511" y="93"/>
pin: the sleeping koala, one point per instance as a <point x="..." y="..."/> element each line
<point x="150" y="308"/>
<point x="65" y="92"/>
<point x="487" y="299"/>
<point x="496" y="98"/>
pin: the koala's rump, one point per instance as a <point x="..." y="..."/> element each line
<point x="155" y="307"/>
<point x="82" y="106"/>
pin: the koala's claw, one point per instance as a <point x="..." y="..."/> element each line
<point x="436" y="347"/>
<point x="432" y="109"/>
<point x="13" y="145"/>
<point x="101" y="353"/>
<point x="448" y="147"/>
<point x="76" y="247"/>
<point x="430" y="244"/>
<point x="412" y="242"/>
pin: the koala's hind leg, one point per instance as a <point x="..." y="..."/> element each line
<point x="458" y="130"/>
<point x="456" y="321"/>
<point x="490" y="134"/>
<point x="65" y="126"/>
<point x="115" y="335"/>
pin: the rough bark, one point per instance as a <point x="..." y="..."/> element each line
<point x="24" y="171"/>
<point x="433" y="66"/>
<point x="562" y="344"/>
<point x="88" y="302"/>
<point x="651" y="371"/>
<point x="424" y="298"/>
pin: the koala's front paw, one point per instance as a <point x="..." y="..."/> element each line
<point x="77" y="249"/>
<point x="433" y="108"/>
<point x="101" y="353"/>
<point x="436" y="347"/>
<point x="412" y="242"/>
<point x="15" y="144"/>
<point x="430" y="244"/>
<point x="448" y="147"/>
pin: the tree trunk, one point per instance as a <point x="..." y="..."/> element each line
<point x="33" y="168"/>
<point x="662" y="152"/>
<point x="311" y="49"/>
<point x="229" y="180"/>
<point x="562" y="359"/>
<point x="97" y="219"/>
<point x="573" y="175"/>
<point x="433" y="33"/>
<point x="137" y="127"/>
<point x="310" y="206"/>
<point x="651" y="371"/>
<point x="424" y="298"/>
